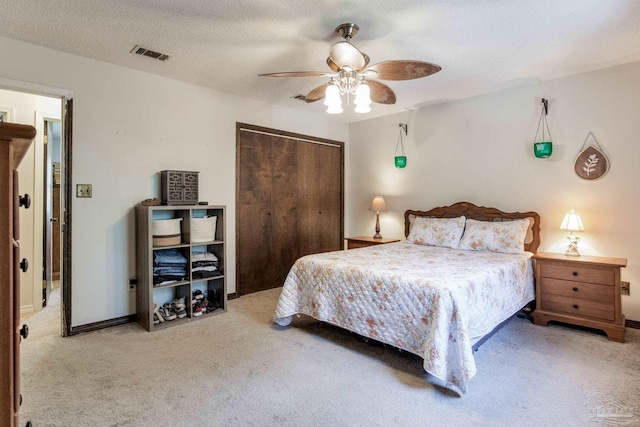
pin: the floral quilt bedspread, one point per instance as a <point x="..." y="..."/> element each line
<point x="427" y="300"/>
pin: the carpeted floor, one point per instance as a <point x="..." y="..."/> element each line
<point x="238" y="369"/>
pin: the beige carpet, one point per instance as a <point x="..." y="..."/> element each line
<point x="237" y="369"/>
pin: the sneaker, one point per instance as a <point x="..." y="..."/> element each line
<point x="197" y="294"/>
<point x="178" y="303"/>
<point x="197" y="309"/>
<point x="181" y="313"/>
<point x="167" y="312"/>
<point x="156" y="319"/>
<point x="156" y="313"/>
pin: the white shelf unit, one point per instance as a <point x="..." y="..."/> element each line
<point x="215" y="287"/>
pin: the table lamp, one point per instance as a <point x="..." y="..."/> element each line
<point x="378" y="205"/>
<point x="571" y="223"/>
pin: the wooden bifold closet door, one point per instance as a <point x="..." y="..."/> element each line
<point x="290" y="191"/>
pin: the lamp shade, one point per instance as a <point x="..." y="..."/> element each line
<point x="378" y="204"/>
<point x="572" y="222"/>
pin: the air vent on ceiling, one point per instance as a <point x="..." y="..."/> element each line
<point x="139" y="50"/>
<point x="299" y="97"/>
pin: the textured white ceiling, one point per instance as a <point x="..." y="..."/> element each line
<point x="481" y="45"/>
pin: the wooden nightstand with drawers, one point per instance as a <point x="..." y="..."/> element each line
<point x="582" y="290"/>
<point x="364" y="241"/>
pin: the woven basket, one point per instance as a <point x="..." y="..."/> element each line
<point x="203" y="229"/>
<point x="166" y="232"/>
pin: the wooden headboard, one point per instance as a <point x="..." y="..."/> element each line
<point x="481" y="213"/>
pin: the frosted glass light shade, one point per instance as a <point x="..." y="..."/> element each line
<point x="572" y="222"/>
<point x="332" y="95"/>
<point x="345" y="54"/>
<point x="378" y="204"/>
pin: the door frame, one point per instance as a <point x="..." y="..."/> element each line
<point x="66" y="98"/>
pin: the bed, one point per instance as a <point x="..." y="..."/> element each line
<point x="437" y="295"/>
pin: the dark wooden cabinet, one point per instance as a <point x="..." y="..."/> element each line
<point x="15" y="140"/>
<point x="289" y="203"/>
<point x="179" y="187"/>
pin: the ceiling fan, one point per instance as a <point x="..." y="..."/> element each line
<point x="351" y="74"/>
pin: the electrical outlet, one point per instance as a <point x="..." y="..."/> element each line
<point x="132" y="284"/>
<point x="83" y="190"/>
<point x="625" y="288"/>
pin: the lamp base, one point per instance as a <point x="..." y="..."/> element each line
<point x="572" y="246"/>
<point x="377" y="236"/>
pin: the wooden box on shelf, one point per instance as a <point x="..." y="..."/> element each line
<point x="213" y="285"/>
<point x="581" y="290"/>
<point x="179" y="187"/>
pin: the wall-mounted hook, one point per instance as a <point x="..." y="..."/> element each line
<point x="404" y="127"/>
<point x="545" y="104"/>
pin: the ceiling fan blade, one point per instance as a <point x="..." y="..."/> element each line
<point x="332" y="65"/>
<point x="316" y="94"/>
<point x="366" y="61"/>
<point x="344" y="54"/>
<point x="381" y="93"/>
<point x="403" y="70"/>
<point x="297" y="74"/>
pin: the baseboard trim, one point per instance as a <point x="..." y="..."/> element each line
<point x="75" y="330"/>
<point x="26" y="309"/>
<point x="232" y="296"/>
<point x="633" y="324"/>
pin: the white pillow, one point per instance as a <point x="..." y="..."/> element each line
<point x="445" y="232"/>
<point x="505" y="236"/>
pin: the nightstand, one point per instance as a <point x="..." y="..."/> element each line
<point x="582" y="290"/>
<point x="364" y="241"/>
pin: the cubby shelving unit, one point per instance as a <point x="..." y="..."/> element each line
<point x="213" y="287"/>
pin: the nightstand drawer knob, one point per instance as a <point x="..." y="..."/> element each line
<point x="575" y="273"/>
<point x="575" y="289"/>
<point x="575" y="305"/>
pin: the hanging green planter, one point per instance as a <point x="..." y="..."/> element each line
<point x="400" y="160"/>
<point x="542" y="150"/>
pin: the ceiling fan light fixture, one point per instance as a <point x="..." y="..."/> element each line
<point x="363" y="94"/>
<point x="332" y="95"/>
<point x="344" y="54"/>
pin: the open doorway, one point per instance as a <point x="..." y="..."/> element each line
<point x="43" y="175"/>
<point x="51" y="239"/>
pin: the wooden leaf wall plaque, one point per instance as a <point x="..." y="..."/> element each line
<point x="591" y="163"/>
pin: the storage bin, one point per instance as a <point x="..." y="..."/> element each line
<point x="203" y="229"/>
<point x="166" y="232"/>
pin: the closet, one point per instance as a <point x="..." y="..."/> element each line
<point x="289" y="203"/>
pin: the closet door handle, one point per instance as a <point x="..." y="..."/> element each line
<point x="25" y="201"/>
<point x="24" y="265"/>
<point x="575" y="273"/>
<point x="54" y="220"/>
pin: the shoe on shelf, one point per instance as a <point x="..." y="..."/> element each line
<point x="156" y="319"/>
<point x="197" y="294"/>
<point x="197" y="309"/>
<point x="157" y="313"/>
<point x="178" y="303"/>
<point x="181" y="313"/>
<point x="167" y="312"/>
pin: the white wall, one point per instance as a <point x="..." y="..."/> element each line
<point x="480" y="150"/>
<point x="24" y="107"/>
<point x="128" y="126"/>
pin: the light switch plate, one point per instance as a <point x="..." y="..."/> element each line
<point x="83" y="190"/>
